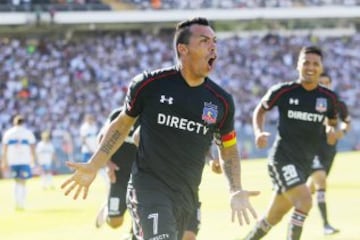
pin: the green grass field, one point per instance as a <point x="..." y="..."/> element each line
<point x="52" y="216"/>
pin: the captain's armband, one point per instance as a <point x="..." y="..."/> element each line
<point x="229" y="139"/>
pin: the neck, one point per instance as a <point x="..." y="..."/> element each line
<point x="308" y="85"/>
<point x="191" y="79"/>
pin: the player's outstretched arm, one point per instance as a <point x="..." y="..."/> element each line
<point x="261" y="137"/>
<point x="239" y="199"/>
<point x="85" y="173"/>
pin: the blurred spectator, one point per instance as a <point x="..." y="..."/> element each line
<point x="197" y="4"/>
<point x="18" y="157"/>
<point x="45" y="152"/>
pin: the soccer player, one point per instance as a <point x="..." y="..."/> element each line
<point x="303" y="106"/>
<point x="18" y="148"/>
<point x="324" y="159"/>
<point x="119" y="173"/>
<point x="119" y="168"/>
<point x="45" y="152"/>
<point x="179" y="109"/>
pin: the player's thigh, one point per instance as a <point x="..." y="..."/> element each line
<point x="189" y="235"/>
<point x="300" y="197"/>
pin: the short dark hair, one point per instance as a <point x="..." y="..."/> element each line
<point x="312" y="49"/>
<point x="18" y="120"/>
<point x="182" y="31"/>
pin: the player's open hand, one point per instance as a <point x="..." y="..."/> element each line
<point x="81" y="179"/>
<point x="241" y="206"/>
<point x="261" y="139"/>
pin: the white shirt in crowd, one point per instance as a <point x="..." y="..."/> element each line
<point x="89" y="133"/>
<point x="45" y="152"/>
<point x="18" y="139"/>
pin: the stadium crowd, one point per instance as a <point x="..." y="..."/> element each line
<point x="62" y="5"/>
<point x="197" y="4"/>
<point x="54" y="83"/>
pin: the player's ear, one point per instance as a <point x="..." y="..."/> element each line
<point x="182" y="49"/>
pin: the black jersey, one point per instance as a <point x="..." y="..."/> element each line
<point x="177" y="126"/>
<point x="301" y="117"/>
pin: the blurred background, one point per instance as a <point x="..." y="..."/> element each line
<point x="63" y="59"/>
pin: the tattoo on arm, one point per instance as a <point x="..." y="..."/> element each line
<point x="231" y="167"/>
<point x="227" y="166"/>
<point x="109" y="144"/>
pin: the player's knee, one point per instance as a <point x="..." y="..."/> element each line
<point x="115" y="222"/>
<point x="189" y="235"/>
<point x="304" y="203"/>
<point x="319" y="179"/>
<point x="275" y="217"/>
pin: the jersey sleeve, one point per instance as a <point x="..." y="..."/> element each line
<point x="271" y="97"/>
<point x="334" y="107"/>
<point x="343" y="112"/>
<point x="134" y="96"/>
<point x="227" y="133"/>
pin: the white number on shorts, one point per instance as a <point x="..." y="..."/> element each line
<point x="155" y="217"/>
<point x="289" y="172"/>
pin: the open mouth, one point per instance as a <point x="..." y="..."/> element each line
<point x="211" y="61"/>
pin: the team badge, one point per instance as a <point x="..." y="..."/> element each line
<point x="321" y="105"/>
<point x="210" y="113"/>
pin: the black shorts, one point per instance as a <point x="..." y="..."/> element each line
<point x="324" y="159"/>
<point x="155" y="216"/>
<point x="117" y="194"/>
<point x="159" y="211"/>
<point x="195" y="220"/>
<point x="285" y="175"/>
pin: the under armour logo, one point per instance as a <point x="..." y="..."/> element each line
<point x="294" y="101"/>
<point x="169" y="100"/>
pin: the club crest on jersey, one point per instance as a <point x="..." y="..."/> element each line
<point x="321" y="105"/>
<point x="210" y="113"/>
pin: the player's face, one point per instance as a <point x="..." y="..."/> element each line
<point x="200" y="53"/>
<point x="310" y="68"/>
<point x="325" y="81"/>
